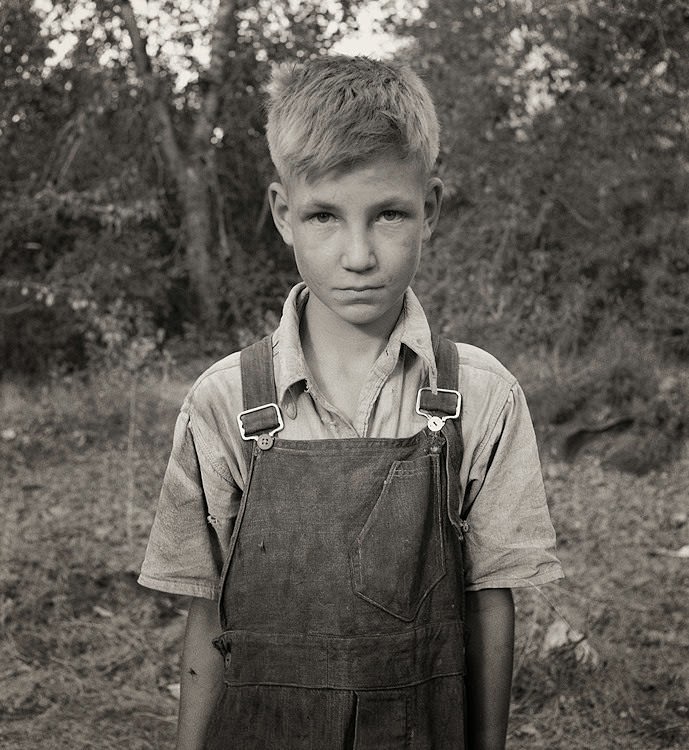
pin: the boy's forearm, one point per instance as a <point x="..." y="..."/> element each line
<point x="489" y="656"/>
<point x="201" y="674"/>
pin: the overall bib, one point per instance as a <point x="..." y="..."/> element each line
<point x="342" y="602"/>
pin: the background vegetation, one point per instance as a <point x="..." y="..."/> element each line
<point x="132" y="204"/>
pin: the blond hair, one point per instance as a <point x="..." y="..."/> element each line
<point x="336" y="112"/>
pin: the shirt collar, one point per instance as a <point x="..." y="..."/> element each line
<point x="411" y="329"/>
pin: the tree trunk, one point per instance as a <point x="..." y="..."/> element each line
<point x="200" y="259"/>
<point x="208" y="241"/>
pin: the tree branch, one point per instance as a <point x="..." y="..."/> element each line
<point x="144" y="68"/>
<point x="223" y="40"/>
<point x="584" y="222"/>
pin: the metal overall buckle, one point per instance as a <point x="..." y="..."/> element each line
<point x="435" y="421"/>
<point x="264" y="437"/>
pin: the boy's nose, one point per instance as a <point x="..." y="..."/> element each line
<point x="358" y="254"/>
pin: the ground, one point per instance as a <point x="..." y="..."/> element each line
<point x="88" y="659"/>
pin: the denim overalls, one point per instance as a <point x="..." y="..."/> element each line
<point x="342" y="598"/>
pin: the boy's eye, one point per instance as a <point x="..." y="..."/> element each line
<point x="391" y="215"/>
<point x="322" y="217"/>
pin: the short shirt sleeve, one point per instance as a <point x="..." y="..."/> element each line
<point x="193" y="522"/>
<point x="511" y="541"/>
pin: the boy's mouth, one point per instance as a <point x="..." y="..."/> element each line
<point x="367" y="288"/>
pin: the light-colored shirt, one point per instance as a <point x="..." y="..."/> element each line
<point x="510" y="541"/>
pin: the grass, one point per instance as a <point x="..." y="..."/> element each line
<point x="87" y="653"/>
<point x="627" y="598"/>
<point x="87" y="656"/>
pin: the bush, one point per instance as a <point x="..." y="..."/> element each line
<point x="81" y="282"/>
<point x="40" y="333"/>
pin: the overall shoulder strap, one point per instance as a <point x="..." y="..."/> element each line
<point x="445" y="401"/>
<point x="258" y="378"/>
<point x="447" y="362"/>
<point x="261" y="416"/>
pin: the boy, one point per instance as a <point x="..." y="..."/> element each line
<point x="358" y="496"/>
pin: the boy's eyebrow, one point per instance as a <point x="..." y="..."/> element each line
<point x="317" y="205"/>
<point x="398" y="201"/>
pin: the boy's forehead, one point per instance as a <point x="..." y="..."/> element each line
<point x="388" y="172"/>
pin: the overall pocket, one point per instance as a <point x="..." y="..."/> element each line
<point x="398" y="556"/>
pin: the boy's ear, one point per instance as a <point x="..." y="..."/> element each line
<point x="279" y="207"/>
<point x="431" y="206"/>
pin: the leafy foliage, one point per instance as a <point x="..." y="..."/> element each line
<point x="564" y="155"/>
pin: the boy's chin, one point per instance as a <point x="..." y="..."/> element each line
<point x="367" y="318"/>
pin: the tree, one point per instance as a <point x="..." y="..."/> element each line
<point x="193" y="168"/>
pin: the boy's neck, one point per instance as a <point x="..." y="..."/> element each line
<point x="329" y="341"/>
<point x="340" y="356"/>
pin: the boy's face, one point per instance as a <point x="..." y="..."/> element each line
<point x="357" y="237"/>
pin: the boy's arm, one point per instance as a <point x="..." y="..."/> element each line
<point x="202" y="674"/>
<point x="489" y="655"/>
